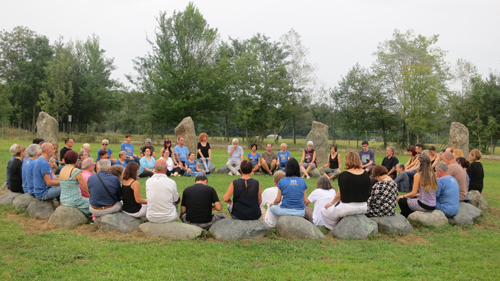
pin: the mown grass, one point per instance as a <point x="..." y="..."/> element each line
<point x="31" y="249"/>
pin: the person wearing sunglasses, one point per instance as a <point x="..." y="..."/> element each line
<point x="105" y="144"/>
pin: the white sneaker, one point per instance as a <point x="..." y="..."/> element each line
<point x="238" y="174"/>
<point x="308" y="177"/>
<point x="230" y="173"/>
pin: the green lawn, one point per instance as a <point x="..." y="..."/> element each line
<point x="31" y="250"/>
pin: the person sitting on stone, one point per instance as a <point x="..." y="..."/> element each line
<point x="235" y="153"/>
<point x="413" y="165"/>
<point x="390" y="162"/>
<point x="384" y="195"/>
<point x="247" y="195"/>
<point x="283" y="156"/>
<point x="147" y="143"/>
<point x="181" y="152"/>
<point x="117" y="171"/>
<point x="105" y="147"/>
<point x="254" y="157"/>
<point x="423" y="195"/>
<point x="292" y="193"/>
<point x="191" y="168"/>
<point x="68" y="144"/>
<point x="458" y="173"/>
<point x="402" y="179"/>
<point x="367" y="157"/>
<point x="198" y="202"/>
<point x="102" y="155"/>
<point x="129" y="149"/>
<point x="354" y="191"/>
<point x="147" y="164"/>
<point x="204" y="152"/>
<point x="308" y="161"/>
<point x="447" y="192"/>
<point x="9" y="164"/>
<point x="268" y="197"/>
<point x="333" y="165"/>
<point x="434" y="157"/>
<point x="86" y="147"/>
<point x="476" y="171"/>
<point x="27" y="168"/>
<point x="53" y="165"/>
<point x="71" y="179"/>
<point x="88" y="168"/>
<point x="162" y="196"/>
<point x="457" y="153"/>
<point x="16" y="170"/>
<point x="105" y="191"/>
<point x="46" y="185"/>
<point x="172" y="169"/>
<point x="82" y="155"/>
<point x="322" y="195"/>
<point x="122" y="159"/>
<point x="133" y="204"/>
<point x="269" y="160"/>
<point x="167" y="144"/>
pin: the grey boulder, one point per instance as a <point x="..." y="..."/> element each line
<point x="231" y="229"/>
<point x="8" y="198"/>
<point x="293" y="227"/>
<point x="22" y="202"/>
<point x="354" y="227"/>
<point x="476" y="200"/>
<point x="119" y="221"/>
<point x="40" y="210"/>
<point x="171" y="230"/>
<point x="212" y="166"/>
<point x="223" y="170"/>
<point x="396" y="224"/>
<point x="434" y="218"/>
<point x="67" y="217"/>
<point x="4" y="189"/>
<point x="466" y="215"/>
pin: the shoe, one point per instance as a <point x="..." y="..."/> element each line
<point x="230" y="173"/>
<point x="308" y="177"/>
<point x="238" y="174"/>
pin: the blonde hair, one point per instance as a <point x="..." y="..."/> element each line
<point x="476" y="154"/>
<point x="121" y="153"/>
<point x="19" y="149"/>
<point x="458" y="153"/>
<point x="352" y="161"/>
<point x="428" y="178"/>
<point x="86" y="147"/>
<point x="278" y="176"/>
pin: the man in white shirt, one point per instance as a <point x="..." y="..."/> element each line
<point x="162" y="195"/>
<point x="268" y="197"/>
<point x="235" y="153"/>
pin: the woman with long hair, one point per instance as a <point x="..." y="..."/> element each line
<point x="133" y="204"/>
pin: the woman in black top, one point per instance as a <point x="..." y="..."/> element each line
<point x="247" y="195"/>
<point x="333" y="164"/>
<point x="133" y="204"/>
<point x="354" y="191"/>
<point x="475" y="171"/>
<point x="16" y="173"/>
<point x="204" y="152"/>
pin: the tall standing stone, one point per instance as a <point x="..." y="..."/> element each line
<point x="47" y="127"/>
<point x="319" y="136"/>
<point x="459" y="138"/>
<point x="186" y="130"/>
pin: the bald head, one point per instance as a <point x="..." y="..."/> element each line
<point x="447" y="157"/>
<point x="161" y="166"/>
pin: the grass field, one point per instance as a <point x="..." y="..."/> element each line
<point x="32" y="250"/>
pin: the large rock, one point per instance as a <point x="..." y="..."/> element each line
<point x="396" y="224"/>
<point x="466" y="215"/>
<point x="223" y="170"/>
<point x="40" y="210"/>
<point x="4" y="189"/>
<point x="67" y="217"/>
<point x="8" y="198"/>
<point x="212" y="166"/>
<point x="354" y="227"/>
<point x="186" y="130"/>
<point x="434" y="218"/>
<point x="118" y="222"/>
<point x="293" y="227"/>
<point x="22" y="202"/>
<point x="313" y="173"/>
<point x="319" y="136"/>
<point x="47" y="128"/>
<point x="171" y="230"/>
<point x="477" y="200"/>
<point x="231" y="229"/>
<point x="459" y="137"/>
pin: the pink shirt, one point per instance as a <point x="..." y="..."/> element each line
<point x="85" y="175"/>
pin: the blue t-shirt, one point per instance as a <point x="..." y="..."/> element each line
<point x="128" y="148"/>
<point x="283" y="157"/>
<point x="146" y="164"/>
<point x="117" y="162"/>
<point x="191" y="165"/>
<point x="41" y="168"/>
<point x="182" y="151"/>
<point x="292" y="189"/>
<point x="367" y="156"/>
<point x="447" y="196"/>
<point x="27" y="169"/>
<point x="254" y="158"/>
<point x="109" y="153"/>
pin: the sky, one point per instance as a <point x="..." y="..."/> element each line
<point x="339" y="34"/>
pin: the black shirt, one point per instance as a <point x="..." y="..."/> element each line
<point x="16" y="176"/>
<point x="354" y="188"/>
<point x="334" y="163"/>
<point x="204" y="150"/>
<point x="62" y="152"/>
<point x="129" y="204"/>
<point x="476" y="175"/>
<point x="389" y="164"/>
<point x="198" y="200"/>
<point x="246" y="199"/>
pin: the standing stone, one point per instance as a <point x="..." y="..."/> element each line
<point x="47" y="127"/>
<point x="459" y="138"/>
<point x="476" y="200"/>
<point x="319" y="136"/>
<point x="185" y="129"/>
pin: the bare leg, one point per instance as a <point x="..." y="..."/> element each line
<point x="265" y="167"/>
<point x="273" y="167"/>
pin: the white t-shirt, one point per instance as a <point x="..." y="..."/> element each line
<point x="268" y="197"/>
<point x="320" y="198"/>
<point x="161" y="193"/>
<point x="170" y="163"/>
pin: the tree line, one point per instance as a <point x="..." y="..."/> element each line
<point x="245" y="87"/>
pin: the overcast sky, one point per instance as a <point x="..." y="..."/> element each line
<point x="338" y="33"/>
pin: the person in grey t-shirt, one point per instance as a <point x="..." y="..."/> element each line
<point x="235" y="153"/>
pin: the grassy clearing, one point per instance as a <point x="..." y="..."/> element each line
<point x="33" y="250"/>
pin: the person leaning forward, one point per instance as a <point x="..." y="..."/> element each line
<point x="105" y="191"/>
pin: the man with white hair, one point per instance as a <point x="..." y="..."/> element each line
<point x="45" y="185"/>
<point x="458" y="173"/>
<point x="12" y="148"/>
<point x="105" y="191"/>
<point x="162" y="195"/>
<point x="88" y="167"/>
<point x="235" y="157"/>
<point x="447" y="191"/>
<point x="27" y="168"/>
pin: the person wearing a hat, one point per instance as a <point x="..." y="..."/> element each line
<point x="148" y="144"/>
<point x="308" y="161"/>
